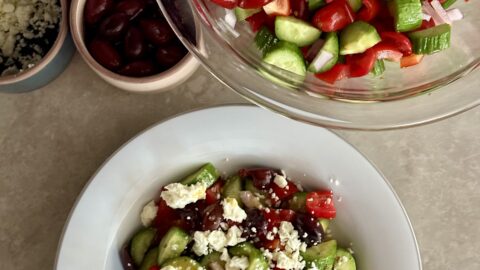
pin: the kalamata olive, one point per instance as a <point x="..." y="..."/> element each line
<point x="191" y="215"/>
<point x="131" y="8"/>
<point x="212" y="217"/>
<point x="170" y="55"/>
<point x="95" y="9"/>
<point x="255" y="219"/>
<point x="134" y="46"/>
<point x="105" y="54"/>
<point x="261" y="177"/>
<point x="139" y="68"/>
<point x="127" y="260"/>
<point x="157" y="31"/>
<point x="114" y="26"/>
<point x="309" y="228"/>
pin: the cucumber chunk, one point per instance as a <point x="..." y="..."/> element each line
<point x="315" y="4"/>
<point x="172" y="244"/>
<point x="331" y="46"/>
<point x="358" y="37"/>
<point x="150" y="259"/>
<point x="232" y="188"/>
<point x="213" y="257"/>
<point x="448" y="3"/>
<point x="344" y="260"/>
<point x="183" y="263"/>
<point x="287" y="56"/>
<point x="378" y="67"/>
<point x="264" y="39"/>
<point x="355" y="4"/>
<point x="298" y="201"/>
<point x="407" y="14"/>
<point x="243" y="13"/>
<point x="207" y="174"/>
<point x="321" y="256"/>
<point x="325" y="223"/>
<point x="431" y="40"/>
<point x="141" y="242"/>
<point x="255" y="257"/>
<point x="295" y="31"/>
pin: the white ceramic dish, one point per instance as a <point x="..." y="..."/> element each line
<point x="370" y="215"/>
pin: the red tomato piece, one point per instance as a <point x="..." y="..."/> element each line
<point x="260" y="19"/>
<point x="411" y="60"/>
<point x="275" y="216"/>
<point x="337" y="72"/>
<point x="213" y="192"/>
<point x="283" y="193"/>
<point x="165" y="217"/>
<point x="155" y="267"/>
<point x="369" y="10"/>
<point x="278" y="8"/>
<point x="300" y="9"/>
<point x="252" y="3"/>
<point x="427" y="24"/>
<point x="401" y="41"/>
<point x="333" y="16"/>
<point x="361" y="64"/>
<point x="320" y="204"/>
<point x="230" y="4"/>
<point x="388" y="51"/>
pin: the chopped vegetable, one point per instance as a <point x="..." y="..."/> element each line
<point x="431" y="40"/>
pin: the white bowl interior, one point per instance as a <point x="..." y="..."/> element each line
<point x="369" y="215"/>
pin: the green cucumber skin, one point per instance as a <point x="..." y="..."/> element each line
<point x="207" y="174"/>
<point x="332" y="46"/>
<point x="344" y="260"/>
<point x="183" y="263"/>
<point x="296" y="31"/>
<point x="255" y="256"/>
<point x="378" y="68"/>
<point x="150" y="259"/>
<point x="407" y="14"/>
<point x="321" y="256"/>
<point x="174" y="237"/>
<point x="448" y="3"/>
<point x="264" y="40"/>
<point x="431" y="40"/>
<point x="232" y="188"/>
<point x="140" y="244"/>
<point x="315" y="4"/>
<point x="241" y="13"/>
<point x="355" y="4"/>
<point x="278" y="54"/>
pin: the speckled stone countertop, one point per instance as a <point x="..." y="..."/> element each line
<point x="54" y="139"/>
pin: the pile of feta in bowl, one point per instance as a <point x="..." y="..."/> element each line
<point x="28" y="29"/>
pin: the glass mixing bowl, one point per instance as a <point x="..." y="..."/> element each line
<point x="400" y="98"/>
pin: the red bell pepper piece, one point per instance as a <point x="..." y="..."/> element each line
<point x="333" y="16"/>
<point x="230" y="4"/>
<point x="260" y="19"/>
<point x="337" y="72"/>
<point x="387" y="51"/>
<point x="275" y="216"/>
<point x="361" y="64"/>
<point x="369" y="10"/>
<point x="252" y="3"/>
<point x="320" y="204"/>
<point x="401" y="41"/>
<point x="300" y="9"/>
<point x="427" y="24"/>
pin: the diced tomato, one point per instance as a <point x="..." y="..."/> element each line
<point x="284" y="193"/>
<point x="411" y="60"/>
<point x="226" y="3"/>
<point x="387" y="51"/>
<point x="260" y="19"/>
<point x="275" y="216"/>
<point x="165" y="217"/>
<point x="427" y="24"/>
<point x="369" y="10"/>
<point x="401" y="41"/>
<point x="337" y="72"/>
<point x="277" y="8"/>
<point x="361" y="64"/>
<point x="213" y="192"/>
<point x="252" y="3"/>
<point x="155" y="267"/>
<point x="300" y="9"/>
<point x="333" y="16"/>
<point x="320" y="204"/>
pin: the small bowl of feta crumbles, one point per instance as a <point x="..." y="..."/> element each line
<point x="35" y="46"/>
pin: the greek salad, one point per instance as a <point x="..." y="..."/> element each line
<point x="256" y="219"/>
<point x="337" y="39"/>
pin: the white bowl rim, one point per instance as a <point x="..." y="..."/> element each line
<point x="181" y="70"/>
<point x="87" y="184"/>
<point x="52" y="52"/>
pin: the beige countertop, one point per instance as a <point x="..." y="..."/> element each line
<point x="54" y="139"/>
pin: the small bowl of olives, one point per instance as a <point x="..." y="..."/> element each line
<point x="129" y="44"/>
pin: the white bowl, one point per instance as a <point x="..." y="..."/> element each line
<point x="369" y="215"/>
<point x="156" y="83"/>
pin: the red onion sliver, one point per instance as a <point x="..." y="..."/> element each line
<point x="322" y="58"/>
<point x="314" y="49"/>
<point x="440" y="11"/>
<point x="454" y="14"/>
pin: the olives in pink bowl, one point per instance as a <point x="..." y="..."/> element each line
<point x="130" y="44"/>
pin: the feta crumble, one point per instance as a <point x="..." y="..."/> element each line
<point x="237" y="263"/>
<point x="217" y="240"/>
<point x="234" y="236"/>
<point x="169" y="267"/>
<point x="148" y="213"/>
<point x="232" y="211"/>
<point x="178" y="195"/>
<point x="200" y="245"/>
<point x="280" y="181"/>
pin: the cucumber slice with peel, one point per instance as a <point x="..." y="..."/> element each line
<point x="315" y="4"/>
<point x="255" y="257"/>
<point x="358" y="37"/>
<point x="344" y="260"/>
<point x="232" y="188"/>
<point x="407" y="14"/>
<point x="298" y="201"/>
<point x="264" y="39"/>
<point x="288" y="56"/>
<point x="448" y="3"/>
<point x="296" y="31"/>
<point x="150" y="259"/>
<point x="183" y="263"/>
<point x="213" y="257"/>
<point x="172" y="244"/>
<point x="431" y="40"/>
<point x="321" y="256"/>
<point x="330" y="46"/>
<point x="378" y="67"/>
<point x="207" y="174"/>
<point x="140" y="244"/>
<point x="355" y="4"/>
<point x="243" y="13"/>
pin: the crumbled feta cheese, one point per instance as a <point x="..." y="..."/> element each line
<point x="177" y="195"/>
<point x="225" y="256"/>
<point x="169" y="267"/>
<point x="270" y="236"/>
<point x="289" y="261"/>
<point x="237" y="263"/>
<point x="234" y="236"/>
<point x="148" y="213"/>
<point x="232" y="211"/>
<point x="200" y="245"/>
<point x="217" y="240"/>
<point x="280" y="181"/>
